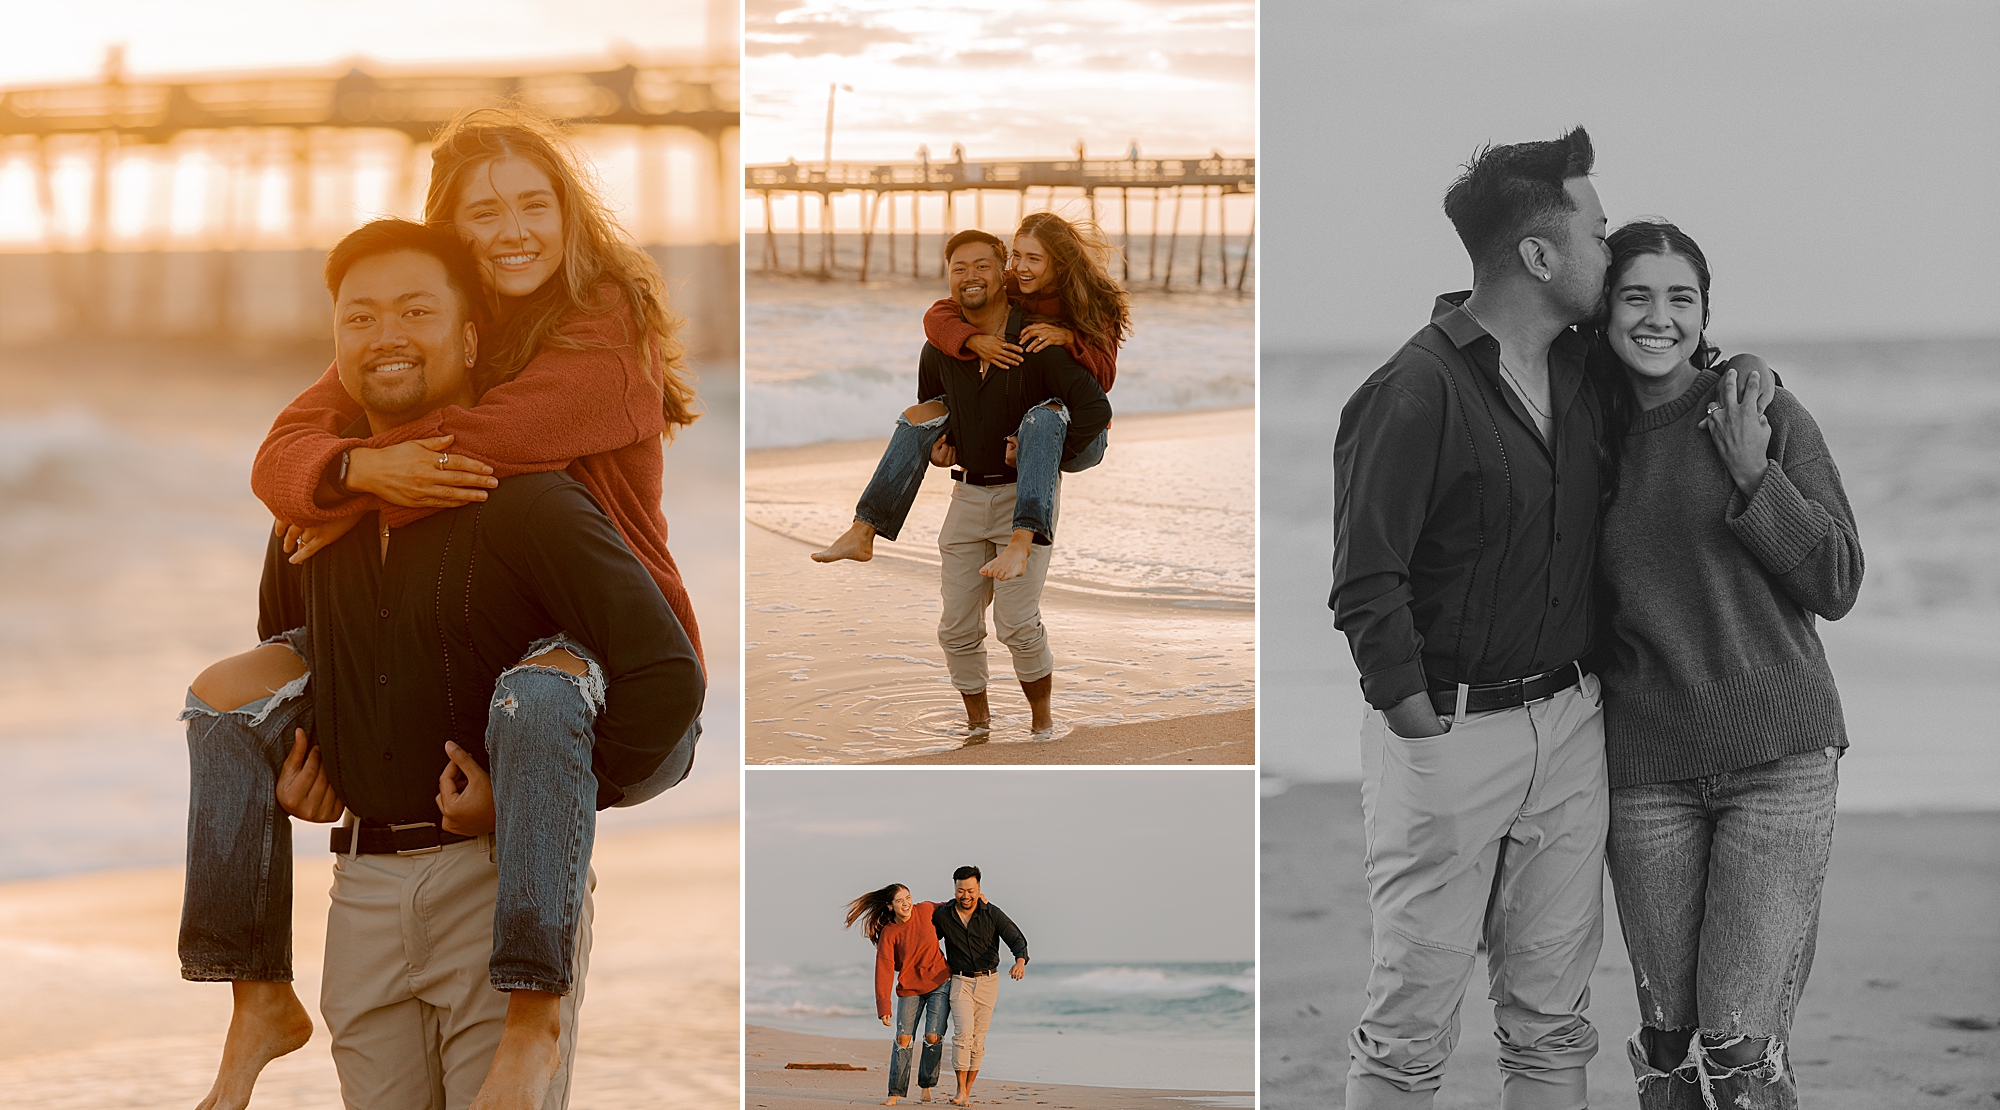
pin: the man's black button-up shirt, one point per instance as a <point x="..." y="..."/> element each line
<point x="1464" y="544"/>
<point x="405" y="651"/>
<point x="973" y="945"/>
<point x="986" y="409"/>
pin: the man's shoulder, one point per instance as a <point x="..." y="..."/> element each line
<point x="539" y="498"/>
<point x="1418" y="375"/>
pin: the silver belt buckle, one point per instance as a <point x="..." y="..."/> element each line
<point x="394" y="829"/>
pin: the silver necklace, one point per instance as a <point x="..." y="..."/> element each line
<point x="1522" y="390"/>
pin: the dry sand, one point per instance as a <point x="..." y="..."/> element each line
<point x="767" y="1085"/>
<point x="1148" y="605"/>
<point x="1900" y="1011"/>
<point x="94" y="1014"/>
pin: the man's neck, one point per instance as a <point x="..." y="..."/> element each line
<point x="965" y="914"/>
<point x="992" y="319"/>
<point x="1520" y="319"/>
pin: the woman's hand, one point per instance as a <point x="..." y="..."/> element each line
<point x="1037" y="336"/>
<point x="465" y="794"/>
<point x="943" y="454"/>
<point x="419" y="474"/>
<point x="1741" y="432"/>
<point x="304" y="543"/>
<point x="993" y="349"/>
<point x="303" y="789"/>
<point x="887" y="1022"/>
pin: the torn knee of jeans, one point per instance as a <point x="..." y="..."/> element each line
<point x="590" y="683"/>
<point x="1705" y="1069"/>
<point x="1651" y="1043"/>
<point x="937" y="421"/>
<point x="1056" y="407"/>
<point x="933" y="1038"/>
<point x="902" y="1040"/>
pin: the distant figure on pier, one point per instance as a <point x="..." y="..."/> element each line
<point x="577" y="369"/>
<point x="1057" y="299"/>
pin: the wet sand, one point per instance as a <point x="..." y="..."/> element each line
<point x="769" y="1086"/>
<point x="1212" y="738"/>
<point x="97" y="1016"/>
<point x="1901" y="1009"/>
<point x="1149" y="602"/>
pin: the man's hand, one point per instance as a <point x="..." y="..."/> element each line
<point x="943" y="454"/>
<point x="304" y="543"/>
<point x="1013" y="443"/>
<point x="1415" y="717"/>
<point x="993" y="349"/>
<point x="465" y="794"/>
<point x="1039" y="336"/>
<point x="1019" y="969"/>
<point x="419" y="474"/>
<point x="303" y="790"/>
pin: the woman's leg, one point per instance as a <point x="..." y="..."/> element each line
<point x="1773" y="837"/>
<point x="1038" y="448"/>
<point x="908" y="1009"/>
<point x="236" y="916"/>
<point x="936" y="1009"/>
<point x="886" y="501"/>
<point x="540" y="730"/>
<point x="1657" y="851"/>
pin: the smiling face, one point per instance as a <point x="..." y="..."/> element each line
<point x="966" y="893"/>
<point x="901" y="904"/>
<point x="1034" y="270"/>
<point x="401" y="341"/>
<point x="508" y="212"/>
<point x="1656" y="315"/>
<point x="974" y="275"/>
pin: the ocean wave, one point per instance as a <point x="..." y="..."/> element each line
<point x="801" y="1009"/>
<point x="62" y="440"/>
<point x="1155" y="981"/>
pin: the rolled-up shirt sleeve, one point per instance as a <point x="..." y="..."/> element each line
<point x="1017" y="942"/>
<point x="1384" y="466"/>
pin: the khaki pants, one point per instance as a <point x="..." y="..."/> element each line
<point x="978" y="524"/>
<point x="405" y="993"/>
<point x="971" y="1011"/>
<point x="1494" y="829"/>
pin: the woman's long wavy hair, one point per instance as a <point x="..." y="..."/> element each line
<point x="1081" y="253"/>
<point x="874" y="911"/>
<point x="1606" y="370"/>
<point x="596" y="252"/>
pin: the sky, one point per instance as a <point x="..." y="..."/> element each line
<point x="1007" y="78"/>
<point x="1837" y="160"/>
<point x="67" y="41"/>
<point x="1151" y="865"/>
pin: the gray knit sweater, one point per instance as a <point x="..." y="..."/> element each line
<point x="1712" y="662"/>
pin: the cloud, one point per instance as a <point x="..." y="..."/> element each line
<point x="816" y="36"/>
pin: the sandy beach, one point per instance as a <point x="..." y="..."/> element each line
<point x="1212" y="738"/>
<point x="1900" y="1011"/>
<point x="97" y="1016"/>
<point x="768" y="1085"/>
<point x="1149" y="604"/>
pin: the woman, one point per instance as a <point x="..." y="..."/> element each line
<point x="585" y="375"/>
<point x="1726" y="531"/>
<point x="907" y="955"/>
<point x="1070" y="299"/>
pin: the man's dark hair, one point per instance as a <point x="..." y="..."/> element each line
<point x="974" y="235"/>
<point x="965" y="873"/>
<point x="391" y="235"/>
<point x="1508" y="193"/>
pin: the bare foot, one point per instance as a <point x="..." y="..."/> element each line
<point x="527" y="1059"/>
<point x="1012" y="562"/>
<point x="857" y="543"/>
<point x="926" y="1093"/>
<point x="267" y="1021"/>
<point x="891" y="1101"/>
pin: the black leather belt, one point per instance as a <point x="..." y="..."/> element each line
<point x="1489" y="696"/>
<point x="396" y="840"/>
<point x="981" y="479"/>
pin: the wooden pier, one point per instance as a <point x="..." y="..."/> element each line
<point x="879" y="184"/>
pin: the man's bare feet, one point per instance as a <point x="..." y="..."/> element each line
<point x="890" y="1101"/>
<point x="1012" y="562"/>
<point x="926" y="1091"/>
<point x="857" y="543"/>
<point x="527" y="1058"/>
<point x="267" y="1021"/>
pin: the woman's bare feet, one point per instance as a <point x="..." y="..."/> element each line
<point x="891" y="1101"/>
<point x="266" y="1023"/>
<point x="857" y="543"/>
<point x="526" y="1061"/>
<point x="1012" y="562"/>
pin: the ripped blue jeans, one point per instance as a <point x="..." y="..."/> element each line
<point x="237" y="913"/>
<point x="1718" y="885"/>
<point x="885" y="503"/>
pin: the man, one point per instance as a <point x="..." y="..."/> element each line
<point x="410" y="637"/>
<point x="986" y="560"/>
<point x="1465" y="520"/>
<point x="972" y="929"/>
